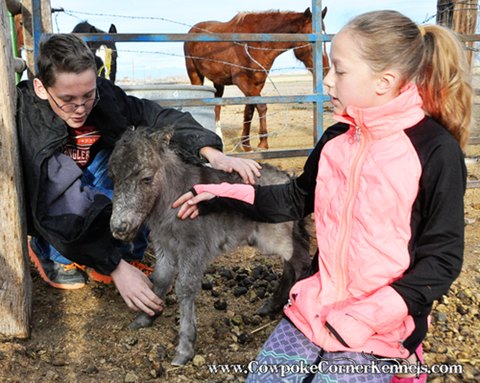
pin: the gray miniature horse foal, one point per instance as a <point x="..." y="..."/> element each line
<point x="148" y="177"/>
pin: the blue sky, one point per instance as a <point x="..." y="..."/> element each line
<point x="168" y="16"/>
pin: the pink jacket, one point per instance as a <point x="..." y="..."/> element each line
<point x="364" y="233"/>
<point x="367" y="182"/>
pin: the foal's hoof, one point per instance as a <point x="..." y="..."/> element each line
<point x="142" y="320"/>
<point x="181" y="360"/>
<point x="268" y="307"/>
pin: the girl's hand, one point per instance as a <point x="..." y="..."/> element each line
<point x="189" y="204"/>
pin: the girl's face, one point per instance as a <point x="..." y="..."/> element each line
<point x="70" y="88"/>
<point x="350" y="80"/>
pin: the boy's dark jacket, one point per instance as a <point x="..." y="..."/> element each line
<point x="74" y="219"/>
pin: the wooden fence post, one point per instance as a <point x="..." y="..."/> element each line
<point x="445" y="13"/>
<point x="465" y="22"/>
<point x="37" y="19"/>
<point x="15" y="280"/>
<point x="461" y="17"/>
<point x="28" y="37"/>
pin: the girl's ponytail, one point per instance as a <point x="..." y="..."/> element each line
<point x="444" y="82"/>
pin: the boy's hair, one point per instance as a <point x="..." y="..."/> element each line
<point x="431" y="56"/>
<point x="63" y="53"/>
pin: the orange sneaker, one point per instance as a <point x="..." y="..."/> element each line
<point x="96" y="276"/>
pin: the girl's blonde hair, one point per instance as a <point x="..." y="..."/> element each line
<point x="431" y="56"/>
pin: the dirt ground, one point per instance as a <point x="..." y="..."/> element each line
<point x="83" y="335"/>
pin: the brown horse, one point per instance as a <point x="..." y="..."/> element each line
<point x="247" y="64"/>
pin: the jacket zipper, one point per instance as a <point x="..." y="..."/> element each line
<point x="362" y="138"/>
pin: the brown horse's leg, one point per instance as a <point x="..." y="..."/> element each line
<point x="218" y="93"/>
<point x="247" y="123"/>
<point x="251" y="90"/>
<point x="262" y="115"/>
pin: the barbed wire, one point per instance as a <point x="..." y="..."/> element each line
<point x="450" y="8"/>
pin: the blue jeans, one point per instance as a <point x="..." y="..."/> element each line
<point x="95" y="176"/>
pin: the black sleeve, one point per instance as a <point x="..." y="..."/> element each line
<point x="437" y="230"/>
<point x="273" y="203"/>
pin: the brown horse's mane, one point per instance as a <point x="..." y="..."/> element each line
<point x="270" y="16"/>
<point x="241" y="16"/>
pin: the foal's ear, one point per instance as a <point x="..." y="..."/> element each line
<point x="162" y="136"/>
<point x="324" y="12"/>
<point x="168" y="131"/>
<point x="113" y="29"/>
<point x="307" y="13"/>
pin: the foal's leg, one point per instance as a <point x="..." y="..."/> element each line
<point x="291" y="242"/>
<point x="279" y="298"/>
<point x="163" y="276"/>
<point x="188" y="285"/>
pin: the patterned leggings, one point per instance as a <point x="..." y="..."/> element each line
<point x="287" y="353"/>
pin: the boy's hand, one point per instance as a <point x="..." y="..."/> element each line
<point x="136" y="289"/>
<point x="247" y="169"/>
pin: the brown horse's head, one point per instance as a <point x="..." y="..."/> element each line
<point x="303" y="52"/>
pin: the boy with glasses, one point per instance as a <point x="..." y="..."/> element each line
<point x="68" y="121"/>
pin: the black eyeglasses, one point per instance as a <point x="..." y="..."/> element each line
<point x="71" y="107"/>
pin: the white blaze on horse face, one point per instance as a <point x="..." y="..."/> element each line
<point x="105" y="54"/>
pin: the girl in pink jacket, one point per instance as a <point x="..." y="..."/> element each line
<point x="386" y="186"/>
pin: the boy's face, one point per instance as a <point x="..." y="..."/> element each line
<point x="69" y="88"/>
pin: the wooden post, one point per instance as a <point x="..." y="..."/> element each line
<point x="445" y="13"/>
<point x="46" y="16"/>
<point x="461" y="17"/>
<point x="15" y="280"/>
<point x="28" y="37"/>
<point x="465" y="22"/>
<point x="37" y="19"/>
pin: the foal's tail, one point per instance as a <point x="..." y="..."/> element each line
<point x="292" y="269"/>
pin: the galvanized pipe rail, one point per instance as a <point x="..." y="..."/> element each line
<point x="203" y="37"/>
